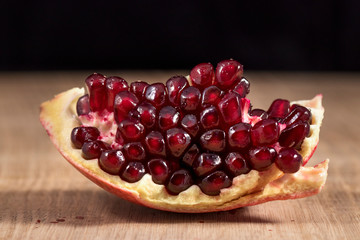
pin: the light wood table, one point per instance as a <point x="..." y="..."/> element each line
<point x="44" y="197"/>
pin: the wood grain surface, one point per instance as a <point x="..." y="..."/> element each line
<point x="44" y="197"/>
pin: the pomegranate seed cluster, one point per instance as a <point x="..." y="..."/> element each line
<point x="203" y="133"/>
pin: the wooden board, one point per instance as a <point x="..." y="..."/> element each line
<point x="43" y="197"/>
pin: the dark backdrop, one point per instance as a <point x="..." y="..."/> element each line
<point x="268" y="35"/>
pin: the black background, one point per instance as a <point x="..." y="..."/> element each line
<point x="262" y="35"/>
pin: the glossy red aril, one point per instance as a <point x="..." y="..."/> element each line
<point x="202" y="75"/>
<point x="259" y="112"/>
<point x="236" y="164"/>
<point x="131" y="129"/>
<point x="179" y="181"/>
<point x="80" y="135"/>
<point x="168" y="118"/>
<point x="213" y="140"/>
<point x="239" y="136"/>
<point x="133" y="172"/>
<point x="294" y="135"/>
<point x="191" y="155"/>
<point x="261" y="158"/>
<point x="92" y="150"/>
<point x="159" y="170"/>
<point x="119" y="139"/>
<point x="138" y="88"/>
<point x="114" y="85"/>
<point x="156" y="94"/>
<point x="125" y="101"/>
<point x="134" y="151"/>
<point x="265" y="132"/>
<point x="227" y="73"/>
<point x="288" y="160"/>
<point x="155" y="143"/>
<point x="97" y="91"/>
<point x="147" y="114"/>
<point x="211" y="96"/>
<point x="279" y="108"/>
<point x="175" y="86"/>
<point x="111" y="161"/>
<point x="206" y="163"/>
<point x="242" y="88"/>
<point x="190" y="99"/>
<point x="209" y="118"/>
<point x="134" y="115"/>
<point x="177" y="141"/>
<point x="83" y="105"/>
<point x="190" y="124"/>
<point x="230" y="108"/>
<point x="214" y="182"/>
<point x="297" y="113"/>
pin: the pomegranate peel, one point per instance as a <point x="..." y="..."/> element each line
<point x="58" y="116"/>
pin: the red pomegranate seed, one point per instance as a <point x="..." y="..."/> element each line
<point x="236" y="165"/>
<point x="175" y="86"/>
<point x="177" y="141"/>
<point x="230" y="108"/>
<point x="131" y="129"/>
<point x="114" y="85"/>
<point x="211" y="96"/>
<point x="190" y="99"/>
<point x="213" y="140"/>
<point x="159" y="170"/>
<point x="134" y="151"/>
<point x="239" y="136"/>
<point x="147" y="114"/>
<point x="213" y="183"/>
<point x="209" y="118"/>
<point x="133" y="172"/>
<point x="261" y="158"/>
<point x="119" y="139"/>
<point x="265" y="132"/>
<point x="294" y="135"/>
<point x="83" y="105"/>
<point x="288" y="160"/>
<point x="168" y="118"/>
<point x="80" y="135"/>
<point x="227" y="73"/>
<point x="125" y="101"/>
<point x="111" y="161"/>
<point x="134" y="115"/>
<point x="206" y="163"/>
<point x="179" y="181"/>
<point x="242" y="88"/>
<point x="190" y="124"/>
<point x="298" y="113"/>
<point x="96" y="88"/>
<point x="202" y="75"/>
<point x="191" y="155"/>
<point x="259" y="112"/>
<point x="156" y="94"/>
<point x="279" y="108"/>
<point x="138" y="88"/>
<point x="92" y="150"/>
<point x="174" y="165"/>
<point x="155" y="143"/>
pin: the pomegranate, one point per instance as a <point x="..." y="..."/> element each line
<point x="189" y="145"/>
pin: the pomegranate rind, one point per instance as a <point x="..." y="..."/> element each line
<point x="58" y="116"/>
<point x="309" y="145"/>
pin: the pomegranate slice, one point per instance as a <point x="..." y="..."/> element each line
<point x="194" y="153"/>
